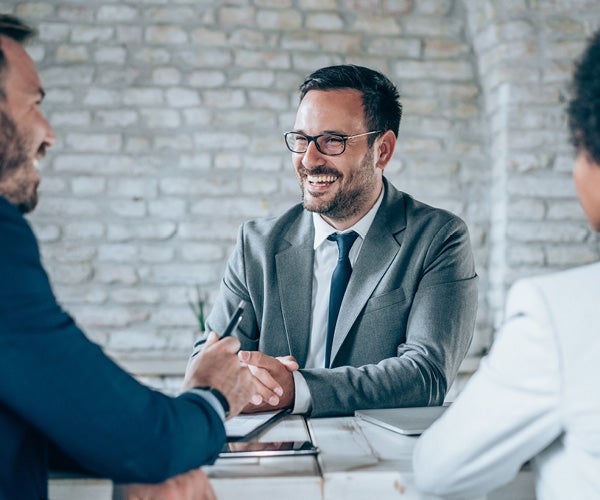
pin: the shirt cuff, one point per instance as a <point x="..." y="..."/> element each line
<point x="212" y="400"/>
<point x="302" y="401"/>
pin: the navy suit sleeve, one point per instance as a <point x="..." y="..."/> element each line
<point x="61" y="384"/>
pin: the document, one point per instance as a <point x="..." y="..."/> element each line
<point x="247" y="425"/>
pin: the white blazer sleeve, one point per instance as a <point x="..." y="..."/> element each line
<point x="507" y="413"/>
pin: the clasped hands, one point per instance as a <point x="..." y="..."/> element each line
<point x="251" y="381"/>
<point x="273" y="379"/>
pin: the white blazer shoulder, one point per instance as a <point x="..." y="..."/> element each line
<point x="536" y="395"/>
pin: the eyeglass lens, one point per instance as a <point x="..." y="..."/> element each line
<point x="326" y="144"/>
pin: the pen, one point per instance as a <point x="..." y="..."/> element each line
<point x="236" y="317"/>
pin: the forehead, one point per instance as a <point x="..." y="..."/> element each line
<point x="20" y="75"/>
<point x="339" y="110"/>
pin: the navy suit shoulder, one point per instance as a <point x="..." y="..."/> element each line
<point x="59" y="387"/>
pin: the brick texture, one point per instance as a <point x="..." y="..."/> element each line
<point x="170" y="121"/>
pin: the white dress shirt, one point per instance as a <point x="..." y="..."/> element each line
<point x="326" y="256"/>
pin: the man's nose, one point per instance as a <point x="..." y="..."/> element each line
<point x="49" y="135"/>
<point x="312" y="156"/>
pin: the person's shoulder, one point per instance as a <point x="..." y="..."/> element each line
<point x="572" y="293"/>
<point x="420" y="214"/>
<point x="576" y="277"/>
<point x="12" y="222"/>
<point x="266" y="226"/>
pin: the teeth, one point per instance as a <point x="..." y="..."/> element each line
<point x="316" y="179"/>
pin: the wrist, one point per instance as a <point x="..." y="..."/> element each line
<point x="219" y="396"/>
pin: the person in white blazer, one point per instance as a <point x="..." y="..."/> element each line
<point x="536" y="396"/>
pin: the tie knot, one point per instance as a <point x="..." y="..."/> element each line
<point x="344" y="242"/>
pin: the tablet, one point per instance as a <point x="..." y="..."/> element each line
<point x="407" y="421"/>
<point x="268" y="449"/>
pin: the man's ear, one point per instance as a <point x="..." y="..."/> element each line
<point x="385" y="150"/>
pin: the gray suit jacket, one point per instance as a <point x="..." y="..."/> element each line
<point x="406" y="320"/>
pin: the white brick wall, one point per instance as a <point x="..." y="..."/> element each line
<point x="170" y="121"/>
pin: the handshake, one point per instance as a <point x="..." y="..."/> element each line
<point x="250" y="381"/>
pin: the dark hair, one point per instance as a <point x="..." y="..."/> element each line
<point x="12" y="27"/>
<point x="381" y="99"/>
<point x="584" y="108"/>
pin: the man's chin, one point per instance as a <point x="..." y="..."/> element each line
<point x="28" y="205"/>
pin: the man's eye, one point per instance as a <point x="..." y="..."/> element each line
<point x="332" y="140"/>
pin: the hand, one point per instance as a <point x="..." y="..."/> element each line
<point x="218" y="366"/>
<point x="274" y="379"/>
<point x="193" y="485"/>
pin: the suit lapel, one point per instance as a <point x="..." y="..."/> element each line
<point x="379" y="249"/>
<point x="294" y="265"/>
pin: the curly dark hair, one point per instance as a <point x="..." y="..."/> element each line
<point x="381" y="99"/>
<point x="584" y="107"/>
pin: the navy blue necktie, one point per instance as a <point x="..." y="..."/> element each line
<point x="339" y="282"/>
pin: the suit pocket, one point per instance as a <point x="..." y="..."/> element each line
<point x="387" y="299"/>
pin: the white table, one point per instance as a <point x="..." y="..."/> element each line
<point x="358" y="460"/>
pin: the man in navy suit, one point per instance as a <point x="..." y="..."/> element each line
<point x="58" y="390"/>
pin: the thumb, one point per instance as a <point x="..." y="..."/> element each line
<point x="212" y="338"/>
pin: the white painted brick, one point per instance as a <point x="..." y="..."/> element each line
<point x="325" y="21"/>
<point x="83" y="230"/>
<point x="135" y="296"/>
<point x="77" y="76"/>
<point x="117" y="253"/>
<point x="111" y="55"/>
<point x="117" y="118"/>
<point x="70" y="118"/>
<point x="83" y="186"/>
<point x="115" y="274"/>
<point x="196" y="116"/>
<point x="113" y="13"/>
<point x="198" y="252"/>
<point x="166" y="76"/>
<point x="177" y="143"/>
<point x="94" y="142"/>
<point x="133" y="187"/>
<point x="72" y="273"/>
<point x="72" y="54"/>
<point x="161" y="253"/>
<point x="54" y="32"/>
<point x="187" y="273"/>
<point x="160" y="118"/>
<point x="34" y="9"/>
<point x="167" y="208"/>
<point x="143" y="231"/>
<point x="207" y="36"/>
<point x="165" y="35"/>
<point x="180" y="97"/>
<point x="91" y="34"/>
<point x="236" y="15"/>
<point x="128" y="208"/>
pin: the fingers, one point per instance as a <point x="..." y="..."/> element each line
<point x="289" y="362"/>
<point x="259" y="359"/>
<point x="267" y="387"/>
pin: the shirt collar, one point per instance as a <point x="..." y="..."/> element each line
<point x="323" y="229"/>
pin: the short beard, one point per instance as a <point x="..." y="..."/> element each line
<point x="13" y="156"/>
<point x="349" y="203"/>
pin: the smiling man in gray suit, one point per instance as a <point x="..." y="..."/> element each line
<point x="408" y="312"/>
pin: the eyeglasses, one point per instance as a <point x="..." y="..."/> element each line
<point x="327" y="144"/>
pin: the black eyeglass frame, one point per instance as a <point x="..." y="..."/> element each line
<point x="314" y="138"/>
